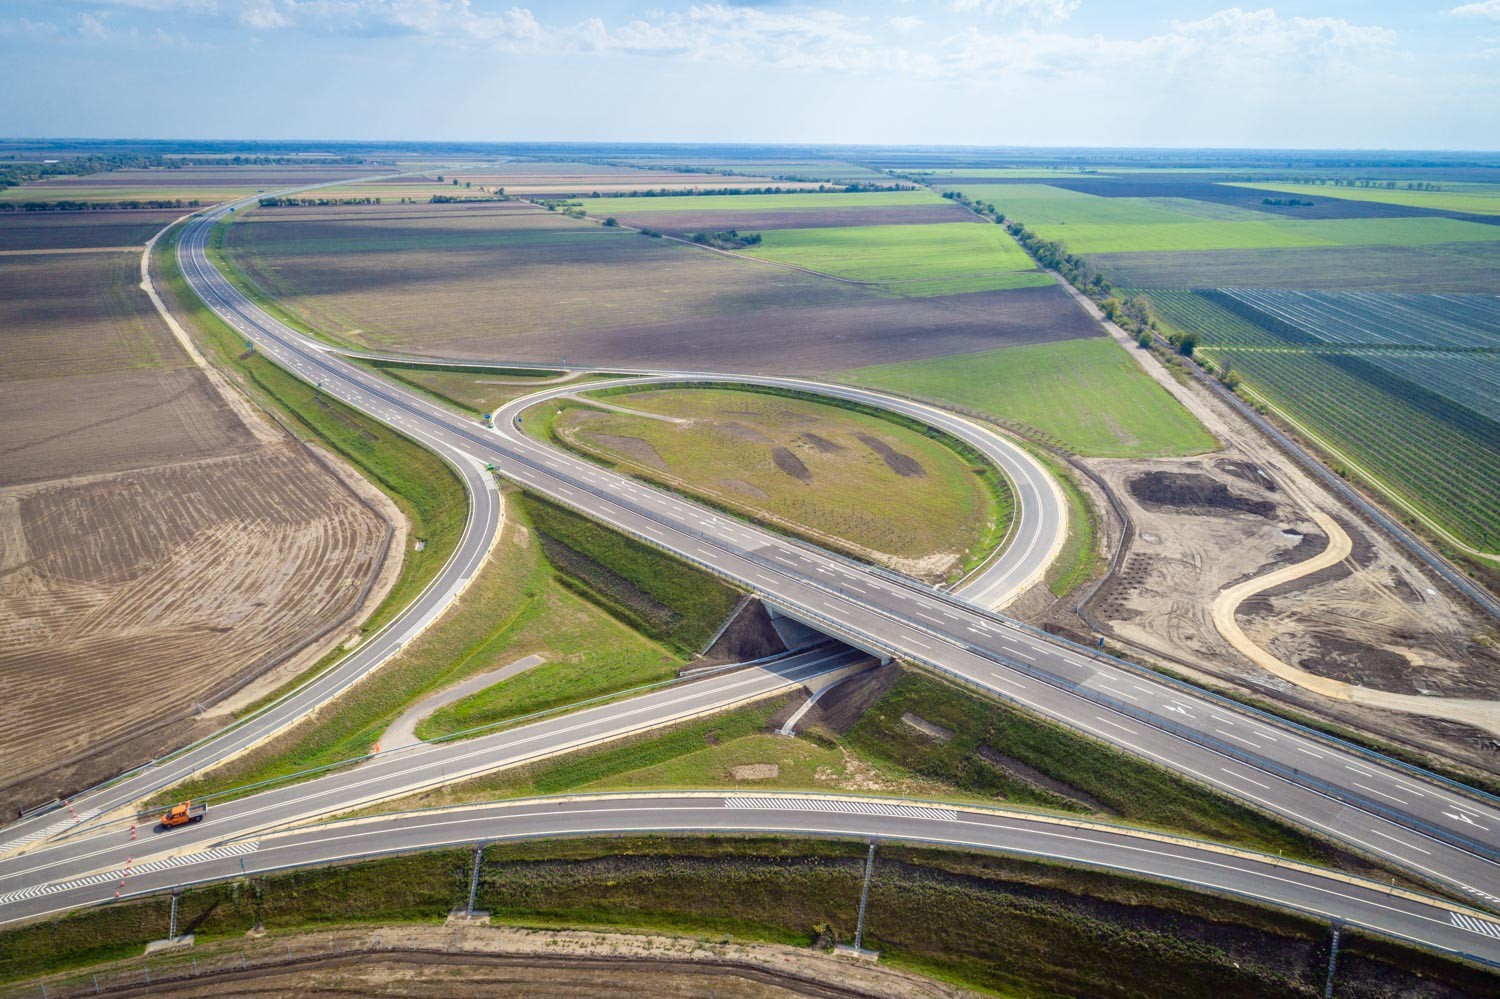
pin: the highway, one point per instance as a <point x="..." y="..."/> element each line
<point x="1439" y="832"/>
<point x="1353" y="901"/>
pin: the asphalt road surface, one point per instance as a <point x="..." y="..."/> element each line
<point x="1439" y="831"/>
<point x="1352" y="901"/>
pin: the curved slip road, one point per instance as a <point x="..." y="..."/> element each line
<point x="1439" y="831"/>
<point x="1353" y="901"/>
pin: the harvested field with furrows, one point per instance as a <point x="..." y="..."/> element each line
<point x="126" y="599"/>
<point x="78" y="314"/>
<point x="154" y="547"/>
<point x="31" y="231"/>
<point x="60" y="427"/>
<point x="207" y="184"/>
<point x="93" y="379"/>
<point x="515" y="282"/>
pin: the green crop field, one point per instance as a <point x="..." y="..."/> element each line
<point x="1039" y="205"/>
<point x="857" y="482"/>
<point x="1198" y="235"/>
<point x="1473" y="199"/>
<point x="1088" y="396"/>
<point x="1434" y="456"/>
<point x="943" y="259"/>
<point x="760" y="202"/>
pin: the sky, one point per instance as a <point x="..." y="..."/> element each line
<point x="1323" y="74"/>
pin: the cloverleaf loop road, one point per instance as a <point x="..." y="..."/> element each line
<point x="1437" y="830"/>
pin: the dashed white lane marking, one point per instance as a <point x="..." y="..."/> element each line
<point x="1481" y="926"/>
<point x="844" y="807"/>
<point x="150" y="867"/>
<point x="47" y="832"/>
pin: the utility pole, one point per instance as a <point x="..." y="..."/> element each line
<point x="1333" y="960"/>
<point x="474" y="878"/>
<point x="864" y="899"/>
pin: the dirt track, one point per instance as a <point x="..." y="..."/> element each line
<point x="1372" y="619"/>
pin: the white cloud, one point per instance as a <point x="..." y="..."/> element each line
<point x="262" y="15"/>
<point x="721" y="33"/>
<point x="904" y="24"/>
<point x="92" y="28"/>
<point x="453" y="20"/>
<point x="1485" y="8"/>
<point x="1220" y="44"/>
<point x="1045" y="10"/>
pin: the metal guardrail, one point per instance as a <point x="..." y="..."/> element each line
<point x="1150" y="718"/>
<point x="1089" y="694"/>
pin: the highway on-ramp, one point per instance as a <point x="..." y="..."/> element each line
<point x="1442" y="832"/>
<point x="1349" y="900"/>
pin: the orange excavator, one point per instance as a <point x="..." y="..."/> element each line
<point x="181" y="815"/>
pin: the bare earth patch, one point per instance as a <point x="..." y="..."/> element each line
<point x="755" y="771"/>
<point x="790" y="464"/>
<point x="903" y="465"/>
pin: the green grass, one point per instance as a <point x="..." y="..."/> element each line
<point x="1141" y="793"/>
<point x="1113" y="238"/>
<point x="759" y="202"/>
<point x="1087" y="396"/>
<point x="1041" y="205"/>
<point x="520" y="604"/>
<point x="909" y="260"/>
<point x="1474" y="202"/>
<point x="1078" y="563"/>
<point x="427" y="491"/>
<point x="958" y="509"/>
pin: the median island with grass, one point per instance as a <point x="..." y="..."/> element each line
<point x="848" y="478"/>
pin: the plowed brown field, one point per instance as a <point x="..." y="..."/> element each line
<point x="127" y="598"/>
<point x="66" y="230"/>
<point x="154" y="551"/>
<point x="515" y="282"/>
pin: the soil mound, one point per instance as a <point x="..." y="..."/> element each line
<point x="903" y="465"/>
<point x="790" y="464"/>
<point x="1194" y="490"/>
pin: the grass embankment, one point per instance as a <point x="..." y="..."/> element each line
<point x="1084" y="396"/>
<point x="470" y="390"/>
<point x="527" y="600"/>
<point x="850" y="478"/>
<point x="427" y="491"/>
<point x="1079" y="562"/>
<point x="947" y="258"/>
<point x="1011" y="926"/>
<point x="993" y="753"/>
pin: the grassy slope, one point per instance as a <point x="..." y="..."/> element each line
<point x="1087" y="396"/>
<point x="942" y="259"/>
<point x="884" y="755"/>
<point x="518" y="605"/>
<point x="1141" y="793"/>
<point x="853" y="495"/>
<point x="422" y="485"/>
<point x="612" y="658"/>
<point x="1011" y="926"/>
